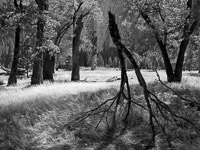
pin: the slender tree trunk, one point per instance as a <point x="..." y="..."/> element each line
<point x="13" y="74"/>
<point x="199" y="59"/>
<point x="94" y="52"/>
<point x="53" y="63"/>
<point x="75" y="50"/>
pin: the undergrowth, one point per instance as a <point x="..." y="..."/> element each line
<point x="45" y="125"/>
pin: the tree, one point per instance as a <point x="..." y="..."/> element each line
<point x="94" y="51"/>
<point x="12" y="80"/>
<point x="37" y="77"/>
<point x="77" y="29"/>
<point x="50" y="49"/>
<point x="172" y="24"/>
<point x="88" y="8"/>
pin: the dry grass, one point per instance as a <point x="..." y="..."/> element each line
<point x="37" y="114"/>
<point x="49" y="91"/>
<point x="61" y="87"/>
<point x="95" y="81"/>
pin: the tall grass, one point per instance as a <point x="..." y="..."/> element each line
<point x="48" y="91"/>
<point x="36" y="118"/>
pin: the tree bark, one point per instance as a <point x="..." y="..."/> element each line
<point x="13" y="74"/>
<point x="75" y="52"/>
<point x="48" y="66"/>
<point x="75" y="49"/>
<point x="180" y="60"/>
<point x="199" y="59"/>
<point x="37" y="76"/>
<point x="167" y="63"/>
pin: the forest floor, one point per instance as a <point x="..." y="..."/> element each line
<point x="36" y="117"/>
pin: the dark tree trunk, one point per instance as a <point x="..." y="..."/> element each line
<point x="13" y="74"/>
<point x="48" y="66"/>
<point x="75" y="49"/>
<point x="167" y="63"/>
<point x="37" y="76"/>
<point x="53" y="61"/>
<point x="177" y="77"/>
<point x="199" y="59"/>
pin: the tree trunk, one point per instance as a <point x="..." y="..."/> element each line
<point x="177" y="77"/>
<point x="75" y="50"/>
<point x="167" y="63"/>
<point x="48" y="66"/>
<point x="13" y="75"/>
<point x="37" y="76"/>
<point x="94" y="52"/>
<point x="199" y="59"/>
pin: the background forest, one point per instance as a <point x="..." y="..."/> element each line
<point x="68" y="27"/>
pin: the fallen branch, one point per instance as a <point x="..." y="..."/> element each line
<point x="113" y="79"/>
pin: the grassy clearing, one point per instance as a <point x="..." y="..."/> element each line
<point x="36" y="118"/>
<point x="41" y="124"/>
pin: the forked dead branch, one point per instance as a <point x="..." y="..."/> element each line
<point x="116" y="110"/>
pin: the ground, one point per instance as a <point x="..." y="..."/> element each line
<point x="35" y="117"/>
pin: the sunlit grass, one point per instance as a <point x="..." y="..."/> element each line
<point x="95" y="81"/>
<point x="49" y="91"/>
<point x="35" y="116"/>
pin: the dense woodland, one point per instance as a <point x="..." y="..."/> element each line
<point x="39" y="37"/>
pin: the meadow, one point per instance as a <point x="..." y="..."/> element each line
<point x="37" y="117"/>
